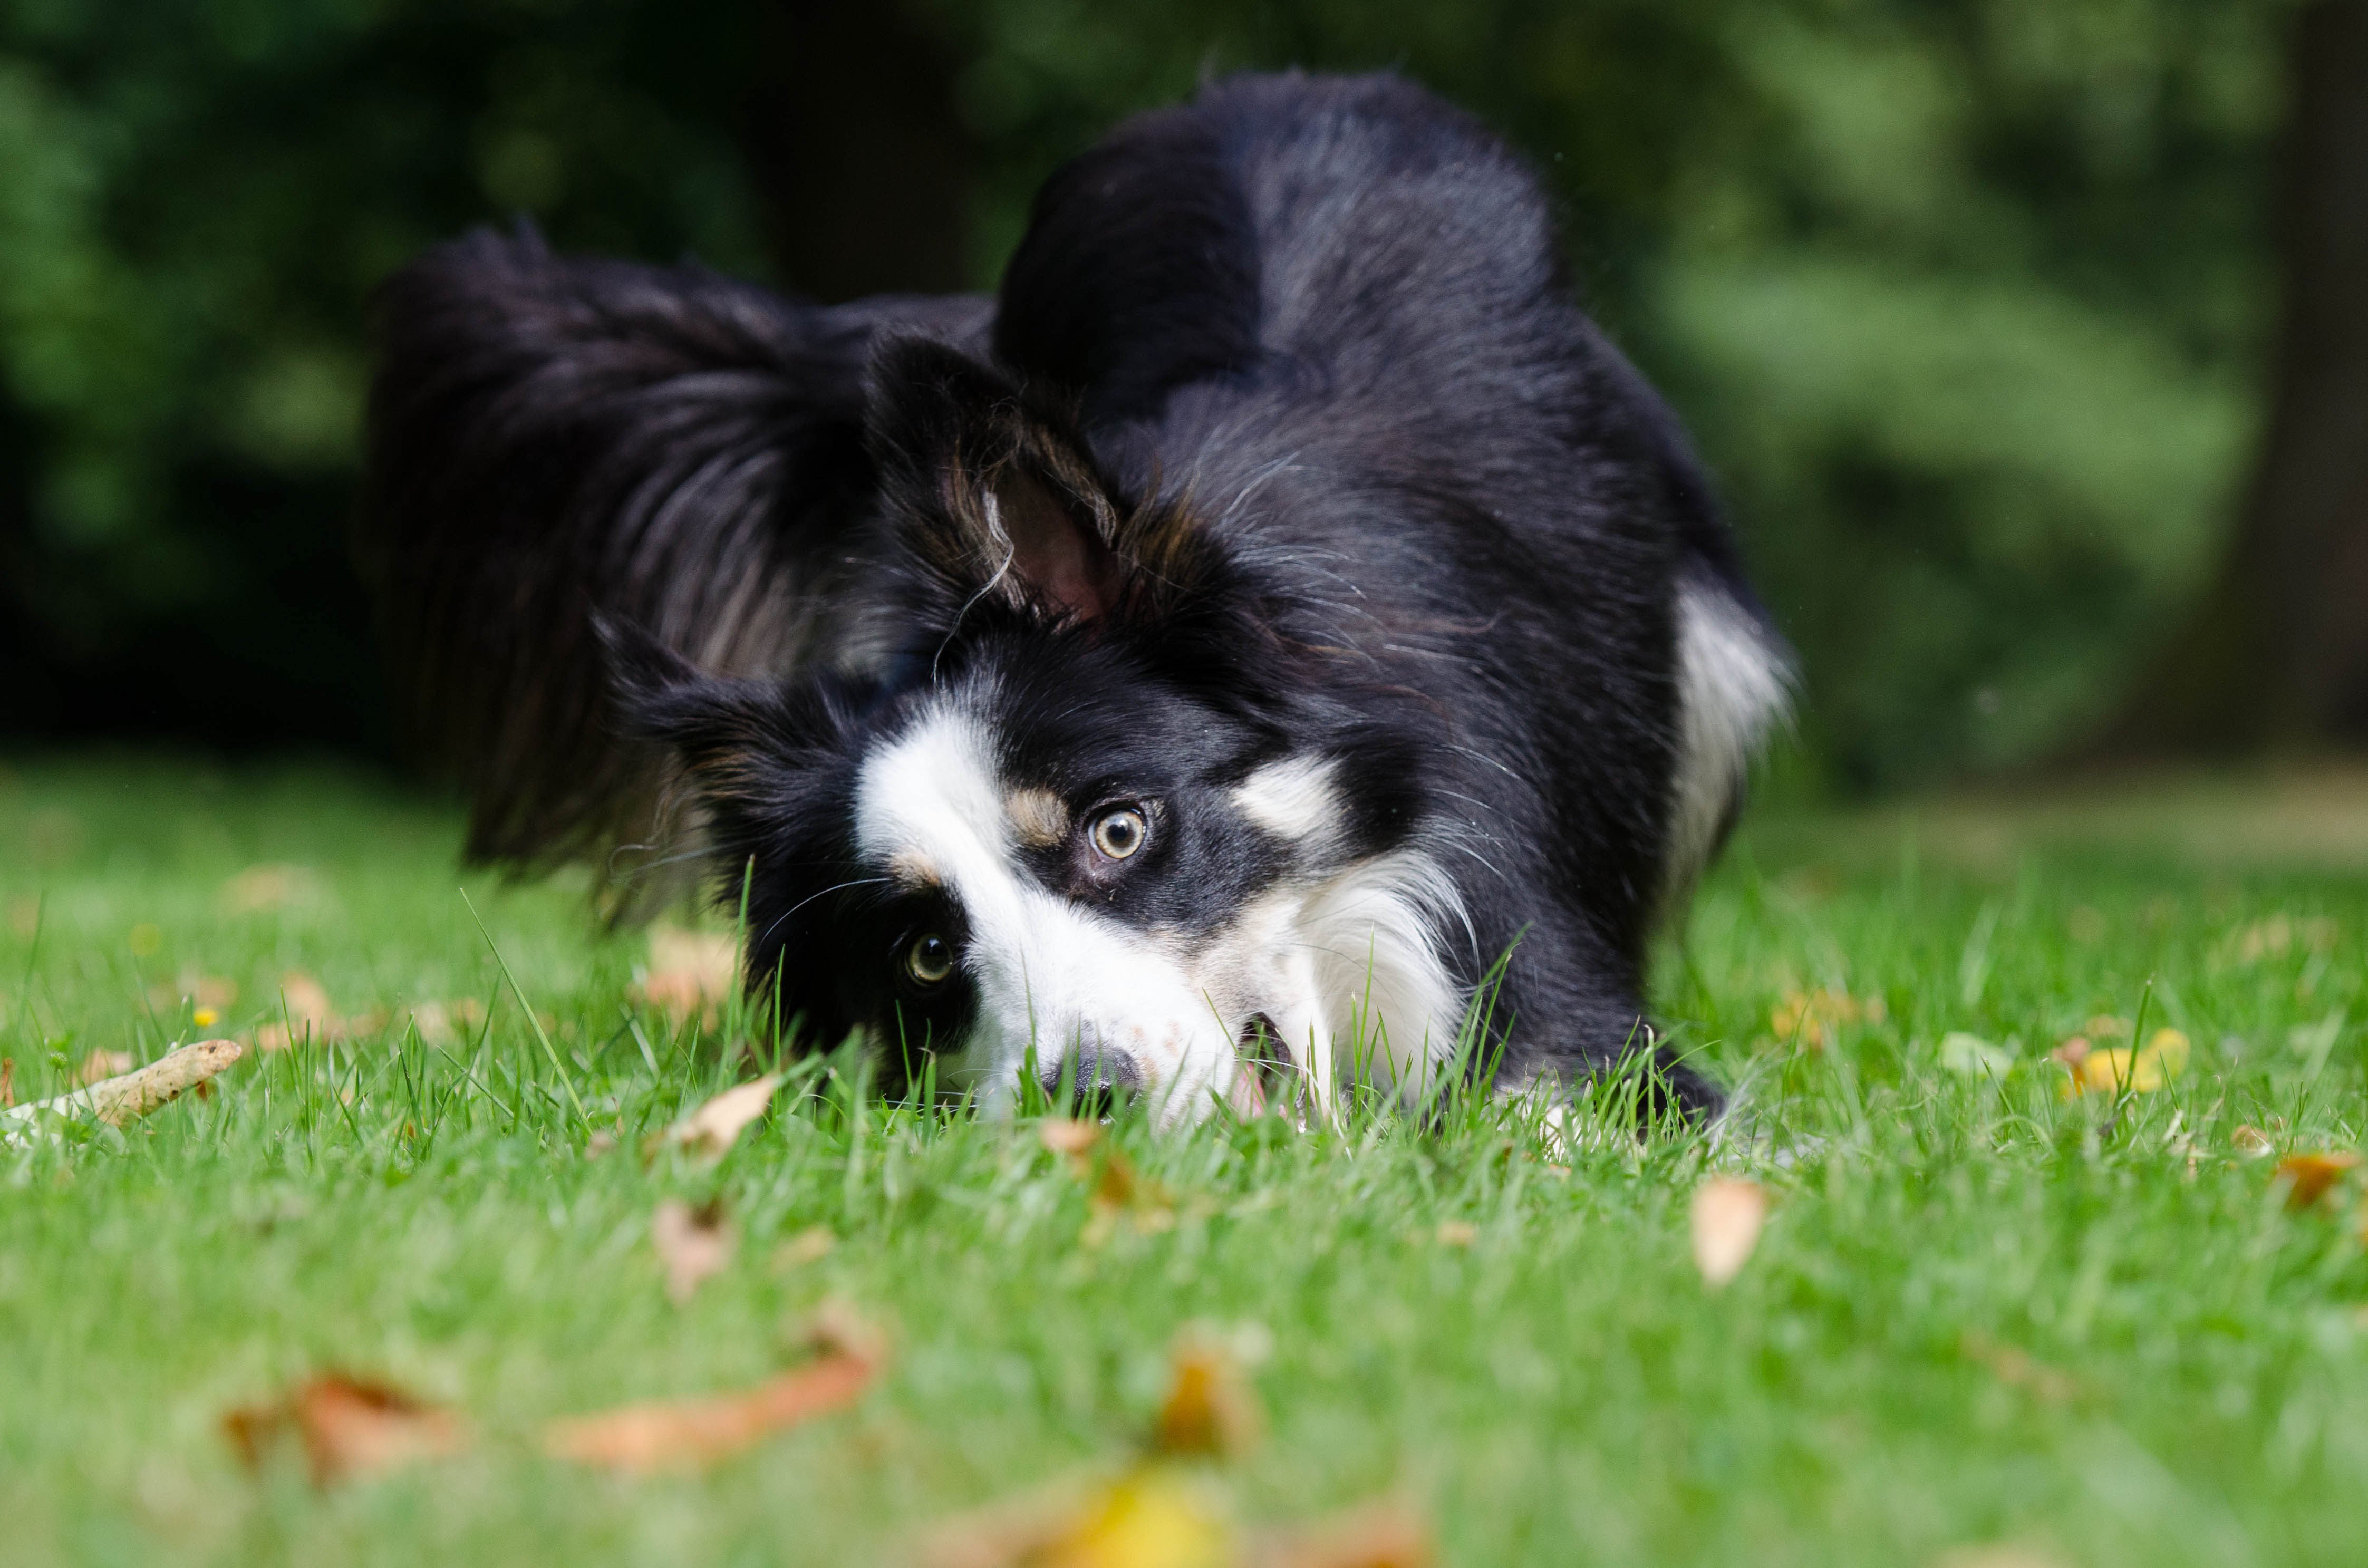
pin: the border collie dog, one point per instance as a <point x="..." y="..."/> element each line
<point x="1276" y="643"/>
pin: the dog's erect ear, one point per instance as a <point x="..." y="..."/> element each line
<point x="997" y="495"/>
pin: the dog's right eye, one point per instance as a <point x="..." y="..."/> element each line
<point x="929" y="961"/>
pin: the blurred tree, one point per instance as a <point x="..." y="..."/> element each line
<point x="194" y="201"/>
<point x="2276" y="654"/>
<point x="1961" y="295"/>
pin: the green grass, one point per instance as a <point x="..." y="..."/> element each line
<point x="1561" y="1391"/>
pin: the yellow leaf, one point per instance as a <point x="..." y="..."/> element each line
<point x="1728" y="1214"/>
<point x="1210" y="1410"/>
<point x="2307" y="1177"/>
<point x="1152" y="1518"/>
<point x="2123" y="1070"/>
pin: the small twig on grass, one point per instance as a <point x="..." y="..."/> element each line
<point x="128" y="1095"/>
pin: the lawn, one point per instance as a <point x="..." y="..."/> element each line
<point x="1985" y="1318"/>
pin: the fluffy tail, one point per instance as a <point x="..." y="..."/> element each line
<point x="554" y="439"/>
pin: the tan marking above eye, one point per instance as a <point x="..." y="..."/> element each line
<point x="913" y="871"/>
<point x="1120" y="833"/>
<point x="1039" y="817"/>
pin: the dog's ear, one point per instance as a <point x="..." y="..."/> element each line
<point x="998" y="496"/>
<point x="552" y="437"/>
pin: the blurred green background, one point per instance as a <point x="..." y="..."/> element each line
<point x="1971" y="304"/>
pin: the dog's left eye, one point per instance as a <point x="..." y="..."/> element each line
<point x="1118" y="833"/>
<point x="929" y="961"/>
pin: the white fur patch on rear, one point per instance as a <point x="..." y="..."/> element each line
<point x="1734" y="686"/>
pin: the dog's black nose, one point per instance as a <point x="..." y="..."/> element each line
<point x="1098" y="1079"/>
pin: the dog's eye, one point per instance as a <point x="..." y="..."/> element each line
<point x="929" y="961"/>
<point x="1118" y="833"/>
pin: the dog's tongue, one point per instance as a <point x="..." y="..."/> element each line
<point x="1247" y="1095"/>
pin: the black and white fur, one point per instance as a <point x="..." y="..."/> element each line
<point x="1275" y="607"/>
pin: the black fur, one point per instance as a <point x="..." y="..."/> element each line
<point x="1296" y="441"/>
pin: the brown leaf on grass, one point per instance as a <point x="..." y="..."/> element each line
<point x="1210" y="1410"/>
<point x="351" y="1427"/>
<point x="2307" y="1177"/>
<point x="1074" y="1139"/>
<point x="2001" y="1556"/>
<point x="304" y="1014"/>
<point x="440" y="1023"/>
<point x="1120" y="1192"/>
<point x="2017" y="1368"/>
<point x="1390" y="1533"/>
<point x="690" y="972"/>
<point x="691" y="1433"/>
<point x="810" y="1245"/>
<point x="2252" y="1142"/>
<point x="711" y="1129"/>
<point x="273" y="886"/>
<point x="100" y="1064"/>
<point x="7" y="1082"/>
<point x="1728" y="1214"/>
<point x="692" y="1243"/>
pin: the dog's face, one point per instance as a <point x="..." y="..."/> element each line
<point x="1085" y="829"/>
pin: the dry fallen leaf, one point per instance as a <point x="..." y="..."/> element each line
<point x="690" y="972"/>
<point x="270" y="887"/>
<point x="7" y="1082"/>
<point x="1210" y="1410"/>
<point x="440" y="1023"/>
<point x="101" y="1064"/>
<point x="692" y="1243"/>
<point x="2307" y="1177"/>
<point x="351" y="1427"/>
<point x="1387" y="1534"/>
<point x="2017" y="1368"/>
<point x="1119" y="1191"/>
<point x="2252" y="1141"/>
<point x="304" y="1014"/>
<point x="1997" y="1557"/>
<point x="810" y="1245"/>
<point x="714" y="1127"/>
<point x="1074" y="1139"/>
<point x="1814" y="1018"/>
<point x="687" y="1434"/>
<point x="1728" y="1214"/>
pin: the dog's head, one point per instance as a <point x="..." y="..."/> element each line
<point x="1090" y="818"/>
